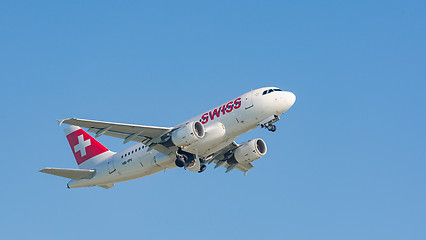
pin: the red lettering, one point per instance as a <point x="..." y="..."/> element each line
<point x="223" y="109"/>
<point x="205" y="118"/>
<point x="229" y="107"/>
<point x="237" y="103"/>
<point x="215" y="113"/>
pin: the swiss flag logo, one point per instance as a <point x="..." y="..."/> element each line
<point x="84" y="146"/>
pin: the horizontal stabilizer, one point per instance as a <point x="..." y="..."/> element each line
<point x="75" y="174"/>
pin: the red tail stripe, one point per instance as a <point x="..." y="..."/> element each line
<point x="84" y="146"/>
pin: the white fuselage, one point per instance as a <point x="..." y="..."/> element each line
<point x="222" y="125"/>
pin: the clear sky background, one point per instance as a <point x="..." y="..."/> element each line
<point x="348" y="160"/>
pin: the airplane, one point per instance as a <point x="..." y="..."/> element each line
<point x="207" y="138"/>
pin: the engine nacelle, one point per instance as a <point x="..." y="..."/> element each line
<point x="188" y="134"/>
<point x="250" y="151"/>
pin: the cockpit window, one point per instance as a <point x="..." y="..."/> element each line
<point x="267" y="91"/>
<point x="271" y="90"/>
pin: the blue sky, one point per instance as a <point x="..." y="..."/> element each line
<point x="347" y="161"/>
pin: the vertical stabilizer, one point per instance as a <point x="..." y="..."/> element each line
<point x="86" y="149"/>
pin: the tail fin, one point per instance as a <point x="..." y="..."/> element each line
<point x="87" y="150"/>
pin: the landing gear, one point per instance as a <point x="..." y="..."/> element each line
<point x="272" y="128"/>
<point x="268" y="123"/>
<point x="189" y="161"/>
<point x="202" y="168"/>
<point x="181" y="160"/>
<point x="184" y="159"/>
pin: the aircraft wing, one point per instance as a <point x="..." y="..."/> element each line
<point x="224" y="158"/>
<point x="128" y="132"/>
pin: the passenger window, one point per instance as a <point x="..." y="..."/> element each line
<point x="132" y="151"/>
<point x="125" y="155"/>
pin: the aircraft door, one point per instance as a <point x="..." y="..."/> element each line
<point x="111" y="168"/>
<point x="248" y="101"/>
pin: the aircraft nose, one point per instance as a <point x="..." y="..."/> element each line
<point x="291" y="98"/>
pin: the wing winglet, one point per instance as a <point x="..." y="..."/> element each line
<point x="60" y="121"/>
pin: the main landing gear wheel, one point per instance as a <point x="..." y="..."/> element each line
<point x="272" y="128"/>
<point x="181" y="160"/>
<point x="202" y="168"/>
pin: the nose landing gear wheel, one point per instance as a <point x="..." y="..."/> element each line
<point x="272" y="128"/>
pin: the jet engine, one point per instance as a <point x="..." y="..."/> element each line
<point x="250" y="151"/>
<point x="188" y="134"/>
